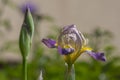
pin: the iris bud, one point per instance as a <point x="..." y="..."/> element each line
<point x="26" y="33"/>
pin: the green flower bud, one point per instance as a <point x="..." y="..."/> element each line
<point x="26" y="34"/>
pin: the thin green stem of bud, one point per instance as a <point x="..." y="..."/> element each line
<point x="70" y="72"/>
<point x="25" y="68"/>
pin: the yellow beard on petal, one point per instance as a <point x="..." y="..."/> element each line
<point x="85" y="48"/>
<point x="56" y="44"/>
<point x="70" y="58"/>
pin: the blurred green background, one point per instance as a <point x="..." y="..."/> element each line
<point x="49" y="61"/>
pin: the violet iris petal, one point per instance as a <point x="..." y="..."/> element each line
<point x="49" y="43"/>
<point x="97" y="56"/>
<point x="29" y="5"/>
<point x="65" y="51"/>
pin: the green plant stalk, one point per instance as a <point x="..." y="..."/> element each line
<point x="24" y="68"/>
<point x="70" y="74"/>
<point x="25" y="39"/>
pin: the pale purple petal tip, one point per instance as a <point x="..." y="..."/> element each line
<point x="29" y="5"/>
<point x="97" y="56"/>
<point x="65" y="51"/>
<point x="67" y="28"/>
<point x="49" y="43"/>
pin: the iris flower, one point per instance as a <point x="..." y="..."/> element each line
<point x="71" y="44"/>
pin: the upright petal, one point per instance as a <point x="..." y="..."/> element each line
<point x="70" y="36"/>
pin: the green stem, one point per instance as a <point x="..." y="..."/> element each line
<point x="70" y="74"/>
<point x="24" y="68"/>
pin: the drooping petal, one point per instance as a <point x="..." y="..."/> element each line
<point x="65" y="51"/>
<point x="49" y="43"/>
<point x="97" y="55"/>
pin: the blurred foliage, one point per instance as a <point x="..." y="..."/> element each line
<point x="6" y="26"/>
<point x="51" y="63"/>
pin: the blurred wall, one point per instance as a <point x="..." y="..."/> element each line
<point x="86" y="14"/>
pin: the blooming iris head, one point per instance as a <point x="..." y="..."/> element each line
<point x="71" y="43"/>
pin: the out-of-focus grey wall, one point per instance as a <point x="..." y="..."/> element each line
<point x="86" y="14"/>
